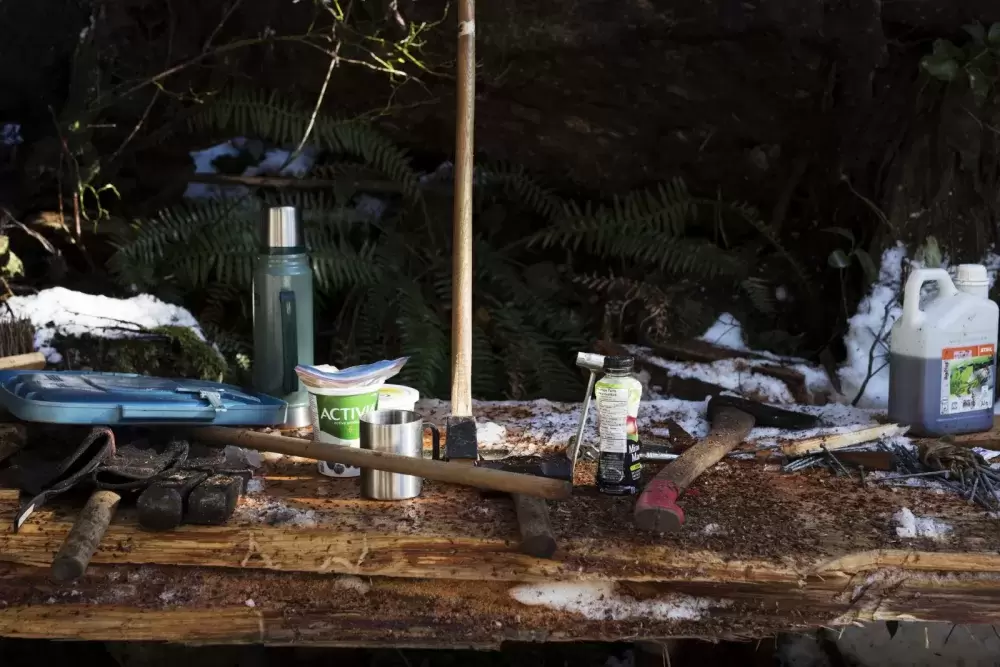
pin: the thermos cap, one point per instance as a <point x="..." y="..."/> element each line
<point x="281" y="230"/>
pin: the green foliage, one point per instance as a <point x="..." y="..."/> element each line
<point x="969" y="376"/>
<point x="842" y="259"/>
<point x="165" y="351"/>
<point x="975" y="63"/>
<point x="387" y="282"/>
<point x="270" y="116"/>
<point x="10" y="264"/>
<point x="645" y="227"/>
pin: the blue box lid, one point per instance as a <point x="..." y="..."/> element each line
<point x="86" y="397"/>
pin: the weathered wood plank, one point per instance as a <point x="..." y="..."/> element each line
<point x="744" y="524"/>
<point x="199" y="605"/>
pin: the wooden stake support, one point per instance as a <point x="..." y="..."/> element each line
<point x="461" y="325"/>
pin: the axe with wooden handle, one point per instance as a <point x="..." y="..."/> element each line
<point x="731" y="420"/>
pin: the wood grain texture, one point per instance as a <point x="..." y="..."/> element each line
<point x="31" y="361"/>
<point x="461" y="292"/>
<point x="199" y="605"/>
<point x="482" y="478"/>
<point x="307" y="561"/>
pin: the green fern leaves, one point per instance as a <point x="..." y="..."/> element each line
<point x="383" y="284"/>
<point x="271" y="117"/>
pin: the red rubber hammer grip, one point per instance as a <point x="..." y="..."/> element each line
<point x="657" y="510"/>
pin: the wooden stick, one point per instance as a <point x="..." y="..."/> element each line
<point x="461" y="298"/>
<point x="835" y="441"/>
<point x="467" y="475"/>
<point x="85" y="536"/>
<point x="533" y="521"/>
<point x="32" y="361"/>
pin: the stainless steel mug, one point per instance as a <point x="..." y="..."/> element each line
<point x="398" y="432"/>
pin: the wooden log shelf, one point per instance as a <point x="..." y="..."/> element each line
<point x="306" y="561"/>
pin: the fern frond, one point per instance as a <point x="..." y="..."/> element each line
<point x="267" y="116"/>
<point x="423" y="339"/>
<point x="661" y="213"/>
<point x="760" y="293"/>
<point x="516" y="185"/>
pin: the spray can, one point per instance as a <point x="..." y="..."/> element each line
<point x="283" y="312"/>
<point x="618" y="394"/>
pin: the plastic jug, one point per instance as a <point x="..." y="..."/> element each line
<point x="942" y="358"/>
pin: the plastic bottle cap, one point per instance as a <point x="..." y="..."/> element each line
<point x="622" y="363"/>
<point x="971" y="273"/>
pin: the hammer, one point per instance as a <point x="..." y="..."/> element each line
<point x="731" y="420"/>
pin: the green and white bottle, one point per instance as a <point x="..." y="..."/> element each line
<point x="618" y="394"/>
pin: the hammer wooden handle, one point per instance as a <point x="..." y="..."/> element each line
<point x="467" y="475"/>
<point x="84" y="537"/>
<point x="537" y="538"/>
<point x="656" y="509"/>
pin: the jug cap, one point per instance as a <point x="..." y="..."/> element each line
<point x="971" y="273"/>
<point x="281" y="230"/>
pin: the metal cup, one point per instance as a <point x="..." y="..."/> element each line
<point x="398" y="432"/>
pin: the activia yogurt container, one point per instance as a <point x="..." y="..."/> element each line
<point x="336" y="413"/>
<point x="335" y="417"/>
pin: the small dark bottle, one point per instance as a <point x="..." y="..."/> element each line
<point x="617" y="395"/>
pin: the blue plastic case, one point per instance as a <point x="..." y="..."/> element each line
<point x="86" y="397"/>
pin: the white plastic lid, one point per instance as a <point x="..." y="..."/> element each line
<point x="397" y="392"/>
<point x="971" y="273"/>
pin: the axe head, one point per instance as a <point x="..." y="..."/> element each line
<point x="764" y="415"/>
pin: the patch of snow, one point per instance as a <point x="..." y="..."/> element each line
<point x="255" y="485"/>
<point x="168" y="596"/>
<point x="535" y="427"/>
<point x="743" y="375"/>
<point x="725" y="332"/>
<point x="869" y="326"/>
<point x="250" y="602"/>
<point x="736" y="375"/>
<point x="599" y="601"/>
<point x="10" y="134"/>
<point x="61" y="311"/>
<point x="711" y="529"/>
<point x="272" y="163"/>
<point x="373" y="207"/>
<point x="490" y="433"/>
<point x="275" y="159"/>
<point x="352" y="583"/>
<point x="909" y="525"/>
<point x="274" y="512"/>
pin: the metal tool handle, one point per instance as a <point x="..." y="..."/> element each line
<point x="435" y="441"/>
<point x="289" y="341"/>
<point x="84" y="537"/>
<point x="585" y="410"/>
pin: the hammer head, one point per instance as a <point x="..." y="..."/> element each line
<point x="557" y="467"/>
<point x="764" y="415"/>
<point x="590" y="361"/>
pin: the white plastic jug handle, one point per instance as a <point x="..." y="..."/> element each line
<point x="911" y="295"/>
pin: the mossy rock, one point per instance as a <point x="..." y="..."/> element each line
<point x="169" y="351"/>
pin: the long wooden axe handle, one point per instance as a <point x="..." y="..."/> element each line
<point x="454" y="473"/>
<point x="656" y="509"/>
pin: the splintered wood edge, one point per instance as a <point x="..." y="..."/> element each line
<point x="108" y="623"/>
<point x="321" y="550"/>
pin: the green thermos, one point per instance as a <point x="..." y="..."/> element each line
<point x="283" y="311"/>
